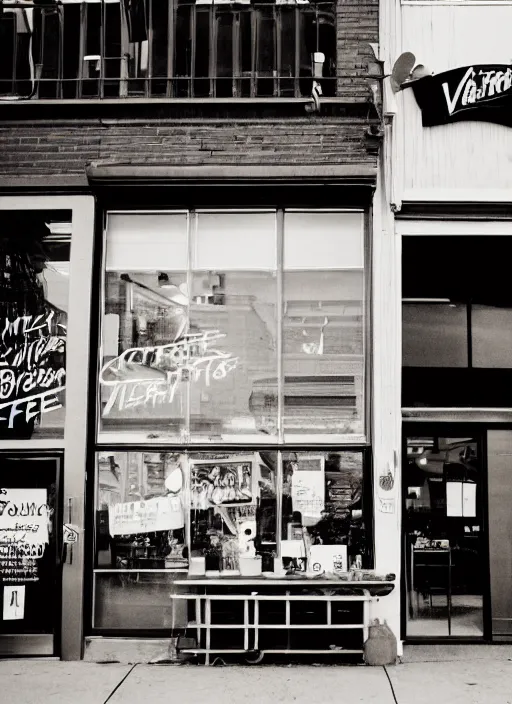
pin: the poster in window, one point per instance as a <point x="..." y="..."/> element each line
<point x="14" y="603"/>
<point x="24" y="534"/>
<point x="225" y="482"/>
<point x="308" y="488"/>
<point x="157" y="514"/>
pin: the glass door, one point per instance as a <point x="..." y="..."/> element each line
<point x="30" y="576"/>
<point x="443" y="532"/>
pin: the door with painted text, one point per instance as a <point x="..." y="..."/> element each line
<point x="30" y="553"/>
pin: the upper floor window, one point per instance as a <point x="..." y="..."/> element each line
<point x="72" y="49"/>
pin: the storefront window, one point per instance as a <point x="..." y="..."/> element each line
<point x="162" y="515"/>
<point x="34" y="281"/>
<point x="242" y="332"/>
<point x="231" y="326"/>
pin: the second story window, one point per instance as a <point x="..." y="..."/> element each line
<point x="71" y="49"/>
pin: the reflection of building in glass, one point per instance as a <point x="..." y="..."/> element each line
<point x="34" y="266"/>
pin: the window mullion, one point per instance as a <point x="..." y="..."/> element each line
<point x="279" y="503"/>
<point x="279" y="325"/>
<point x="191" y="238"/>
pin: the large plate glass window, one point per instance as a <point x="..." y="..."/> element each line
<point x="323" y="325"/>
<point x="233" y="326"/>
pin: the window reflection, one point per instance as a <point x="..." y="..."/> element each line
<point x="323" y="506"/>
<point x="145" y="340"/>
<point x="237" y="310"/>
<point x="196" y="313"/>
<point x="148" y="519"/>
<point x="34" y="281"/>
<point x="141" y="512"/>
<point x="434" y="335"/>
<point x="233" y="509"/>
<point x="323" y="352"/>
<point x="491" y="336"/>
<point x="209" y="510"/>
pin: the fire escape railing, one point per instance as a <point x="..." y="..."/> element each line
<point x="71" y="49"/>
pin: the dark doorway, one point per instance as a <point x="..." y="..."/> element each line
<point x="444" y="534"/>
<point x="30" y="547"/>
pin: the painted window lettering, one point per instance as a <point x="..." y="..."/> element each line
<point x="32" y="371"/>
<point x="190" y="359"/>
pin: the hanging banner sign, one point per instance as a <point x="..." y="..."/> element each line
<point x="481" y="92"/>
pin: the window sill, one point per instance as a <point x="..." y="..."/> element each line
<point x="184" y="101"/>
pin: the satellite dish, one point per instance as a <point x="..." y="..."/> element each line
<point x="402" y="70"/>
<point x="419" y="71"/>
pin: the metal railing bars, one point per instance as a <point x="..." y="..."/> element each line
<point x="165" y="49"/>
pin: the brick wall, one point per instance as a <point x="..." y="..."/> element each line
<point x="33" y="149"/>
<point x="32" y="145"/>
<point x="357" y="26"/>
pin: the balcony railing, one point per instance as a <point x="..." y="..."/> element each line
<point x="71" y="49"/>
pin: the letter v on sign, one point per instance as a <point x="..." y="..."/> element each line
<point x="452" y="103"/>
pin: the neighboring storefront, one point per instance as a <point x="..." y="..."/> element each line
<point x="46" y="267"/>
<point x="453" y="224"/>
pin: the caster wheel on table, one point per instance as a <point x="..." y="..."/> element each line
<point x="254" y="657"/>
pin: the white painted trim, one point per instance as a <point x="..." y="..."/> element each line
<point x="32" y="444"/>
<point x="471" y="196"/>
<point x="464" y="3"/>
<point x="75" y="430"/>
<point x="451" y="409"/>
<point x="454" y="227"/>
<point x="107" y="439"/>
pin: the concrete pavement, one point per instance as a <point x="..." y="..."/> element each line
<point x="450" y="675"/>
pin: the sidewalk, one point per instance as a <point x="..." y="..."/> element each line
<point x="428" y="675"/>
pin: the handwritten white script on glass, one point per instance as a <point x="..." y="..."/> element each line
<point x="190" y="359"/>
<point x="32" y="372"/>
